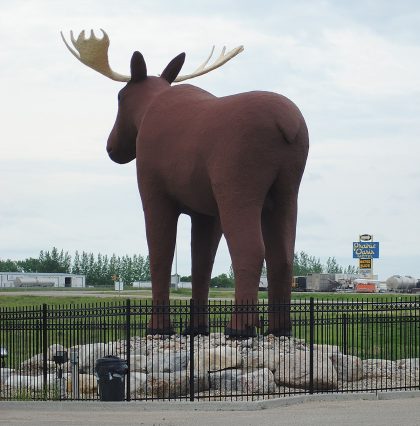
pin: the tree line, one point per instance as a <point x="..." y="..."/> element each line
<point x="303" y="264"/>
<point x="99" y="269"/>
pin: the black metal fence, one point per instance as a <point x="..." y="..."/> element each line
<point x="336" y="346"/>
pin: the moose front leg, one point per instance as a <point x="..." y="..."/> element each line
<point x="161" y="222"/>
<point x="205" y="237"/>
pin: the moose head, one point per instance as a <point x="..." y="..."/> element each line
<point x="233" y="164"/>
<point x="93" y="52"/>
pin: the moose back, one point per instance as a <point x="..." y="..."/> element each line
<point x="233" y="164"/>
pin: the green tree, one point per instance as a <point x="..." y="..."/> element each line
<point x="29" y="265"/>
<point x="75" y="269"/>
<point x="305" y="264"/>
<point x="223" y="281"/>
<point x="332" y="267"/>
<point x="9" y="265"/>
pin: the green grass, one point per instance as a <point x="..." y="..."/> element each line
<point x="370" y="332"/>
<point x="65" y="296"/>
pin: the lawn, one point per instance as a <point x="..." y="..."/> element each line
<point x="9" y="297"/>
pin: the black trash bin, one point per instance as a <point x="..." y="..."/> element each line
<point x="110" y="372"/>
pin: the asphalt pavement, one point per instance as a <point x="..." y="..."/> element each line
<point x="392" y="408"/>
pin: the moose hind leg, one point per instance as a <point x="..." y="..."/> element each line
<point x="161" y="223"/>
<point x="205" y="237"/>
<point x="279" y="230"/>
<point x="242" y="229"/>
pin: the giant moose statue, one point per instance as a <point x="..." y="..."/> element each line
<point x="233" y="164"/>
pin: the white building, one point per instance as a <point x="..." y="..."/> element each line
<point x="38" y="279"/>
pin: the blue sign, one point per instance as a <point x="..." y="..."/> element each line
<point x="366" y="250"/>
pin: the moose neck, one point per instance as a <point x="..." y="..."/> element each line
<point x="144" y="94"/>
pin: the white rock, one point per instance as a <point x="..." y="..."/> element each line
<point x="293" y="370"/>
<point x="216" y="359"/>
<point x="349" y="368"/>
<point x="5" y="373"/>
<point x="53" y="349"/>
<point x="33" y="383"/>
<point x="35" y="365"/>
<point x="168" y="361"/>
<point x="167" y="385"/>
<point x="327" y="349"/>
<point x="88" y="354"/>
<point x="138" y="384"/>
<point x="260" y="381"/>
<point x="138" y="363"/>
<point x="226" y="381"/>
<point x="374" y="368"/>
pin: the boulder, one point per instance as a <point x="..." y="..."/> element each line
<point x="53" y="349"/>
<point x="168" y="362"/>
<point x="167" y="385"/>
<point x="215" y="359"/>
<point x="376" y="368"/>
<point x="88" y="354"/>
<point x="293" y="371"/>
<point x="260" y="381"/>
<point x="32" y="383"/>
<point x="5" y="373"/>
<point x="35" y="366"/>
<point x="327" y="349"/>
<point x="226" y="381"/>
<point x="409" y="371"/>
<point x="349" y="368"/>
<point x="138" y="385"/>
<point x="138" y="363"/>
<point x="88" y="384"/>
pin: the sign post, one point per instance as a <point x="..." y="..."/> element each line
<point x="366" y="250"/>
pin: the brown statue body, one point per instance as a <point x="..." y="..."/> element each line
<point x="234" y="165"/>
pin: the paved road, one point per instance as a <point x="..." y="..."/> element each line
<point x="342" y="411"/>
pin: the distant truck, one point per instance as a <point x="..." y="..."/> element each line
<point x="401" y="284"/>
<point x="321" y="282"/>
<point x="299" y="283"/>
<point x="366" y="285"/>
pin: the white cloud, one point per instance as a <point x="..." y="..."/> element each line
<point x="365" y="63"/>
<point x="355" y="77"/>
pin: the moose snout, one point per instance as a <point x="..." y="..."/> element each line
<point x="119" y="153"/>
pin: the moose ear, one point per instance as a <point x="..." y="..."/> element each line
<point x="173" y="68"/>
<point x="138" y="67"/>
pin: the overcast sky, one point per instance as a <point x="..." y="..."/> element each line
<point x="353" y="68"/>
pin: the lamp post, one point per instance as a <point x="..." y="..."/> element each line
<point x="3" y="355"/>
<point x="60" y="358"/>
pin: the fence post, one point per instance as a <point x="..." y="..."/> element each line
<point x="311" y="344"/>
<point x="344" y="343"/>
<point x="127" y="345"/>
<point x="192" y="322"/>
<point x="74" y="365"/>
<point x="45" y="349"/>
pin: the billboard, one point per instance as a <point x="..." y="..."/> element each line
<point x="365" y="263"/>
<point x="366" y="250"/>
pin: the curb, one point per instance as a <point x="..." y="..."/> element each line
<point x="204" y="405"/>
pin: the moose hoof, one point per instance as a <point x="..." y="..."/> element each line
<point x="196" y="330"/>
<point x="280" y="332"/>
<point x="168" y="331"/>
<point x="240" y="334"/>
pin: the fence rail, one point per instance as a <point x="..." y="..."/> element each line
<point x="337" y="346"/>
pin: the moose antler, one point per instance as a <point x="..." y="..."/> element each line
<point x="221" y="60"/>
<point x="93" y="52"/>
